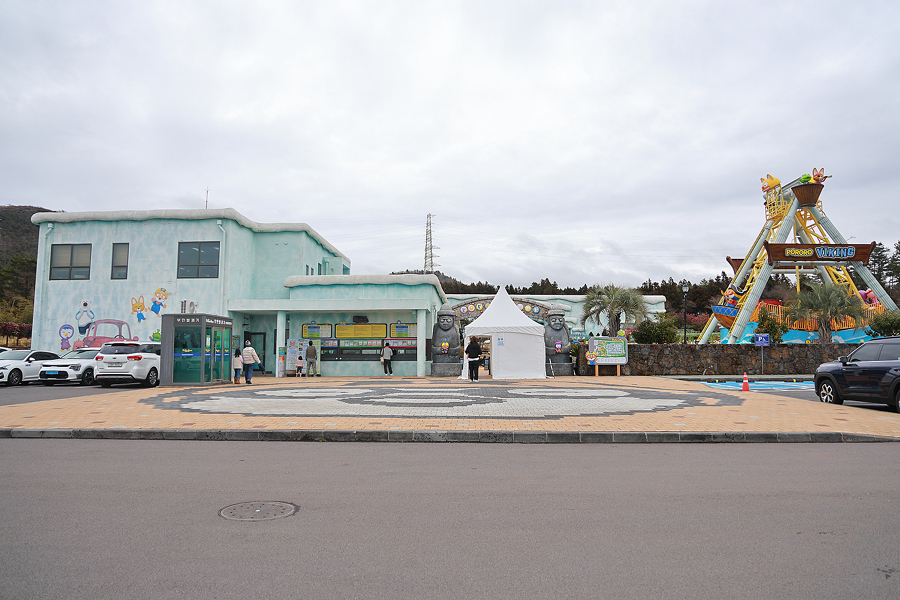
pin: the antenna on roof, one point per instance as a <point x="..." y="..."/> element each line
<point x="207" y="197"/>
<point x="429" y="248"/>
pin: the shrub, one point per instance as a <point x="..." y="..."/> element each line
<point x="884" y="324"/>
<point x="661" y="331"/>
<point x="766" y="323"/>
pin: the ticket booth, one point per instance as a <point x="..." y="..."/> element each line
<point x="196" y="349"/>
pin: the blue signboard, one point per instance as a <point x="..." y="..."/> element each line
<point x="761" y="339"/>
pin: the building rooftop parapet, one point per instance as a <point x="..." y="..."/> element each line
<point x="408" y="279"/>
<point x="189" y="214"/>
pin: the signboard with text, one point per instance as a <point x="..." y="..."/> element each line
<point x="607" y="351"/>
<point x="819" y="252"/>
<point x="367" y="330"/>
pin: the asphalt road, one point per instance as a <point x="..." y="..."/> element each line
<point x="98" y="519"/>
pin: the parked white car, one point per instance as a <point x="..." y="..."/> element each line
<point x="74" y="365"/>
<point x="18" y="366"/>
<point x="128" y="362"/>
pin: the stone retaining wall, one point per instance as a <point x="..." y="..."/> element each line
<point x="721" y="359"/>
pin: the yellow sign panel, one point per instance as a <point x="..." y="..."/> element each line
<point x="367" y="330"/>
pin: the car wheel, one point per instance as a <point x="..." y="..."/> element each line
<point x="15" y="377"/>
<point x="828" y="393"/>
<point x="896" y="404"/>
<point x="105" y="384"/>
<point x="152" y="379"/>
<point x="48" y="382"/>
<point x="88" y="377"/>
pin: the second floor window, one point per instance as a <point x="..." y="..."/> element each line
<point x="70" y="261"/>
<point x="198" y="260"/>
<point x="119" y="261"/>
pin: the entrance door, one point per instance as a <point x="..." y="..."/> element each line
<point x="258" y="341"/>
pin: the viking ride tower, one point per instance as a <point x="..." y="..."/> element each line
<point x="792" y="211"/>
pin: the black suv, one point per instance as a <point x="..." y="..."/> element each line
<point x="870" y="374"/>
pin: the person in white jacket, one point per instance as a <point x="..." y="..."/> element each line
<point x="250" y="359"/>
<point x="237" y="363"/>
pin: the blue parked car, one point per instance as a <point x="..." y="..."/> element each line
<point x="870" y="374"/>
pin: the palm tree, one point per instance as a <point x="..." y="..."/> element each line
<point x="614" y="302"/>
<point x="825" y="303"/>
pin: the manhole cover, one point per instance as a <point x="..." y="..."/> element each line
<point x="258" y="511"/>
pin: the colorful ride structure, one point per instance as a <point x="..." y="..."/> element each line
<point x="793" y="211"/>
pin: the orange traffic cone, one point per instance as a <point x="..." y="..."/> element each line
<point x="746" y="386"/>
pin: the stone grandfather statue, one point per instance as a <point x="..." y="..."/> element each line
<point x="445" y="344"/>
<point x="557" y="342"/>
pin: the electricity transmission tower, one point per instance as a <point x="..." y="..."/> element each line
<point x="429" y="248"/>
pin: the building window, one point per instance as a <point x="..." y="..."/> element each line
<point x="119" y="261"/>
<point x="320" y="268"/>
<point x="70" y="261"/>
<point x="198" y="260"/>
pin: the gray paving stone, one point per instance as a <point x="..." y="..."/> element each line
<point x="564" y="437"/>
<point x="463" y="436"/>
<point x="793" y="437"/>
<point x="529" y="437"/>
<point x="597" y="437"/>
<point x="430" y="436"/>
<point x="629" y="437"/>
<point x="495" y="436"/>
<point x="663" y="437"/>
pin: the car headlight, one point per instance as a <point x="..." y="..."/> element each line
<point x="75" y="368"/>
<point x="4" y="367"/>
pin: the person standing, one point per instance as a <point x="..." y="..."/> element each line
<point x="473" y="354"/>
<point x="386" y="353"/>
<point x="250" y="358"/>
<point x="237" y="363"/>
<point x="311" y="357"/>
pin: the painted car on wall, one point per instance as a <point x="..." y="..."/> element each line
<point x="103" y="331"/>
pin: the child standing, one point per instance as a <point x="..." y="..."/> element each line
<point x="237" y="363"/>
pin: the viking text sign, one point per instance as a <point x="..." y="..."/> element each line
<point x="819" y="252"/>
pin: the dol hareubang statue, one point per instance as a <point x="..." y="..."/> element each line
<point x="557" y="342"/>
<point x="445" y="345"/>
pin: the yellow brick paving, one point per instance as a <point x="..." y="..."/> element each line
<point x="756" y="412"/>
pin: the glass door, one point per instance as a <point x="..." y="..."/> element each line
<point x="218" y="360"/>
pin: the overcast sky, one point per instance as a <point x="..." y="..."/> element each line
<point x="586" y="142"/>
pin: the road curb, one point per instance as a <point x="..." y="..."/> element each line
<point x="429" y="436"/>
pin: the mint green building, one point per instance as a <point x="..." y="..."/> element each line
<point x="103" y="276"/>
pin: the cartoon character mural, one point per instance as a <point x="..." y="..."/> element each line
<point x="65" y="332"/>
<point x="159" y="299"/>
<point x="84" y="317"/>
<point x="138" y="308"/>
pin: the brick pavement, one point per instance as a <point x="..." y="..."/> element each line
<point x="409" y="408"/>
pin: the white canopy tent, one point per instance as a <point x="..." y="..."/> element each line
<point x="517" y="342"/>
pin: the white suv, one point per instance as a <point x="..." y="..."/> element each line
<point x="128" y="362"/>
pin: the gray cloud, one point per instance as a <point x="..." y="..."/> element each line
<point x="612" y="141"/>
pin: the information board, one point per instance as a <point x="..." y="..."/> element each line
<point x="607" y="351"/>
<point x="317" y="331"/>
<point x="293" y="355"/>
<point x="367" y="330"/>
<point x="403" y="330"/>
<point x="361" y="343"/>
<point x="402" y="343"/>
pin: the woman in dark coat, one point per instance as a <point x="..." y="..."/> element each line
<point x="473" y="354"/>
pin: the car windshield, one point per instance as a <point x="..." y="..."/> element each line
<point x="81" y="353"/>
<point x="119" y="349"/>
<point x="15" y="354"/>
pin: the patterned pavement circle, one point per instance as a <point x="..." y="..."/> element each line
<point x="485" y="401"/>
